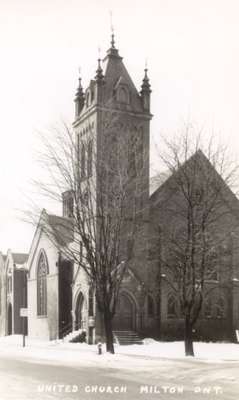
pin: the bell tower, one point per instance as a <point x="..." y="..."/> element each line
<point x="111" y="109"/>
<point x="111" y="99"/>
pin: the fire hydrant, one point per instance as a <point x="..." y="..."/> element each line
<point x="99" y="348"/>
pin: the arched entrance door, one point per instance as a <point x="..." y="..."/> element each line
<point x="9" y="319"/>
<point x="78" y="311"/>
<point x="124" y="318"/>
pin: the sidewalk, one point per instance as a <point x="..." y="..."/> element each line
<point x="134" y="356"/>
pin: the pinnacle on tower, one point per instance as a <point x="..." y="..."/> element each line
<point x="99" y="72"/>
<point x="79" y="92"/>
<point x="113" y="40"/>
<point x="79" y="98"/>
<point x="145" y="91"/>
<point x="112" y="31"/>
<point x="145" y="88"/>
<point x="112" y="50"/>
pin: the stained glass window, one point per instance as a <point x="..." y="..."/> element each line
<point x="42" y="286"/>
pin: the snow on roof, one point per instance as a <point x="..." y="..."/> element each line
<point x="19" y="258"/>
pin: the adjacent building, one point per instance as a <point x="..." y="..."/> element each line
<point x="13" y="292"/>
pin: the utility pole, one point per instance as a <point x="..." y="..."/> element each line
<point x="24" y="307"/>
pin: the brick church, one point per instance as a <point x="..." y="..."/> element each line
<point x="60" y="299"/>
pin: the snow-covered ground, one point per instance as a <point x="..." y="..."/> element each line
<point x="143" y="369"/>
<point x="81" y="353"/>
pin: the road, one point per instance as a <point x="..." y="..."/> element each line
<point x="22" y="379"/>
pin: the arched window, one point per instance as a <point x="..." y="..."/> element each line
<point x="88" y="99"/>
<point x="140" y="150"/>
<point x="92" y="95"/>
<point x="132" y="157"/>
<point x="208" y="308"/>
<point x="123" y="95"/>
<point x="172" y="311"/>
<point x="9" y="284"/>
<point x="89" y="158"/>
<point x="150" y="306"/>
<point x="83" y="161"/>
<point x="219" y="308"/>
<point x="42" y="270"/>
<point x="158" y="306"/>
<point x="91" y="303"/>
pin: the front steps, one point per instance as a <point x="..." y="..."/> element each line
<point x="125" y="338"/>
<point x="72" y="335"/>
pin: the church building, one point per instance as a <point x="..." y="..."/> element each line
<point x="60" y="297"/>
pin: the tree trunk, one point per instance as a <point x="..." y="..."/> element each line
<point x="108" y="333"/>
<point x="188" y="337"/>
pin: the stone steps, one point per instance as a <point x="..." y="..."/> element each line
<point x="71" y="335"/>
<point x="127" y="337"/>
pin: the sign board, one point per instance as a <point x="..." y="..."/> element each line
<point x="91" y="322"/>
<point x="23" y="312"/>
<point x="237" y="335"/>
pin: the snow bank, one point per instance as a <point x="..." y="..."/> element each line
<point x="134" y="356"/>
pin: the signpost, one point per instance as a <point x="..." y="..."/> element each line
<point x="23" y="314"/>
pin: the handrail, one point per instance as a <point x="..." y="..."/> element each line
<point x="64" y="331"/>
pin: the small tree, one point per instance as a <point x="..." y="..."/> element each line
<point x="97" y="177"/>
<point x="195" y="209"/>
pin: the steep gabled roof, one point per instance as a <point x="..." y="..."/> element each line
<point x="157" y="180"/>
<point x="228" y="196"/>
<point x="58" y="230"/>
<point x="62" y="229"/>
<point x="116" y="74"/>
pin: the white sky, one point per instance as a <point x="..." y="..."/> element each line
<point x="192" y="48"/>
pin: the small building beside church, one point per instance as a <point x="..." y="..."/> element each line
<point x="2" y="296"/>
<point x="13" y="292"/>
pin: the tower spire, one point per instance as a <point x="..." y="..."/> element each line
<point x="145" y="85"/>
<point x="112" y="50"/>
<point x="99" y="72"/>
<point x="112" y="40"/>
<point x="145" y="90"/>
<point x="80" y="97"/>
<point x="79" y="91"/>
<point x="112" y="31"/>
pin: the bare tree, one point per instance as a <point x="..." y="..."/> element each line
<point x="195" y="208"/>
<point x="99" y="182"/>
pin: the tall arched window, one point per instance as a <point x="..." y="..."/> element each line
<point x="172" y="310"/>
<point x="132" y="157"/>
<point x="89" y="158"/>
<point x="123" y="95"/>
<point x="220" y="308"/>
<point x="150" y="304"/>
<point x="42" y="270"/>
<point x="83" y="172"/>
<point x="91" y="303"/>
<point x="208" y="308"/>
